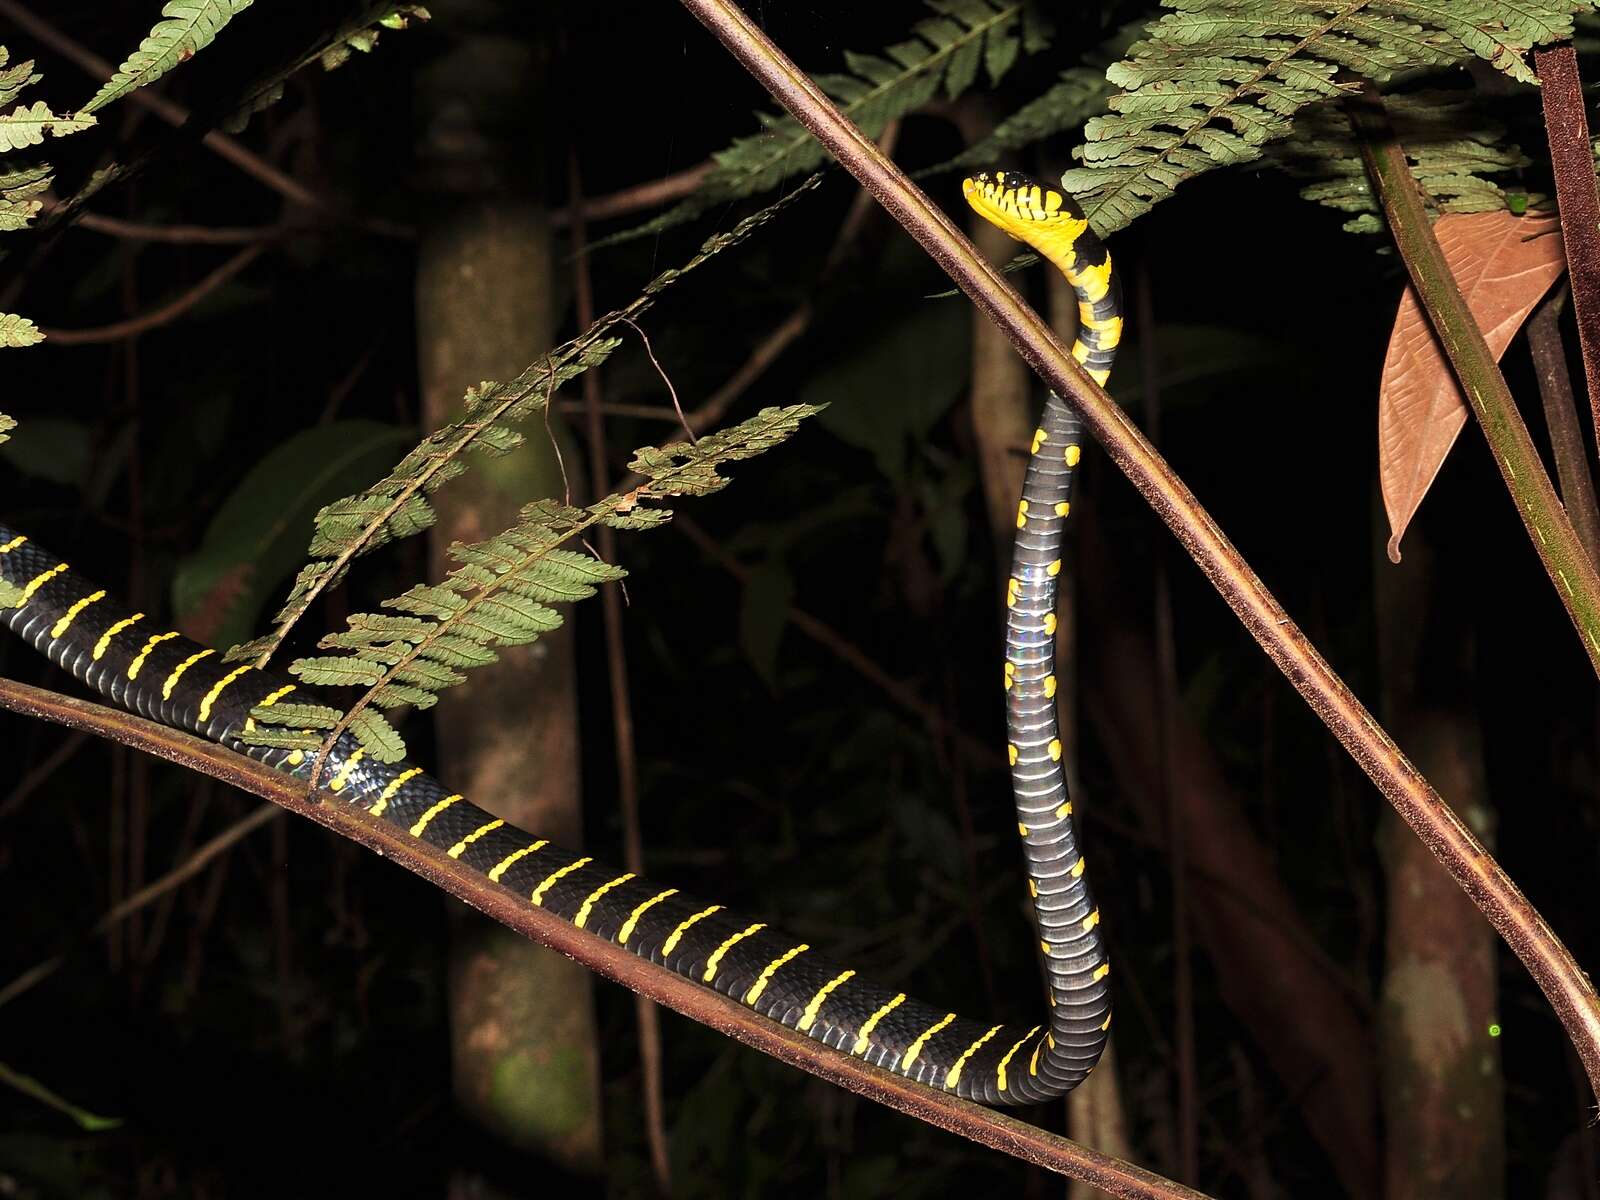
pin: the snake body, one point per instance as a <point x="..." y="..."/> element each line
<point x="141" y="665"/>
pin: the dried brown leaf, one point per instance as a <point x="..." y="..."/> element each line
<point x="1503" y="264"/>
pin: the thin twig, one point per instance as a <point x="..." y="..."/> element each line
<point x="184" y="871"/>
<point x="1549" y="962"/>
<point x="30" y="782"/>
<point x="1561" y="418"/>
<point x="632" y="199"/>
<point x="1566" y="130"/>
<point x="197" y="235"/>
<point x="162" y="315"/>
<point x="1574" y="576"/>
<point x="645" y="1014"/>
<point x="711" y="1008"/>
<point x="845" y="651"/>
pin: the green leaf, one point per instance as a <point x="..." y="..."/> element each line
<point x="28" y="124"/>
<point x="50" y="448"/>
<point x="19" y="185"/>
<point x="7" y="424"/>
<point x="253" y="543"/>
<point x="377" y="736"/>
<point x="18" y="331"/>
<point x="763" y="616"/>
<point x="307" y="716"/>
<point x="1216" y="80"/>
<point x="890" y="393"/>
<point x="14" y="79"/>
<point x="190" y="26"/>
<point x="396" y="505"/>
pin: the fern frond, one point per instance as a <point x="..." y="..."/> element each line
<point x="397" y="505"/>
<point x="190" y="26"/>
<point x="944" y="51"/>
<point x="1452" y="147"/>
<point x="1080" y="93"/>
<point x="18" y="331"/>
<point x="500" y="591"/>
<point x="7" y="424"/>
<point x="14" y="79"/>
<point x="365" y="39"/>
<point x="27" y="124"/>
<point x="1216" y="80"/>
<point x="19" y="185"/>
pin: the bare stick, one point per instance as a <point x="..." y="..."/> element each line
<point x="163" y="315"/>
<point x="1566" y="130"/>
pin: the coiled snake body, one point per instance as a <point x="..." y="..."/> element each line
<point x="143" y="666"/>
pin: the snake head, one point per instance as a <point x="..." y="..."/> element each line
<point x="1018" y="203"/>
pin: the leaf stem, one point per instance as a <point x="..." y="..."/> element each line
<point x="1576" y="582"/>
<point x="1561" y="418"/>
<point x="1549" y="962"/>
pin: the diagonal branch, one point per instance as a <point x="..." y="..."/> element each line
<point x="1516" y="920"/>
<point x="710" y="1008"/>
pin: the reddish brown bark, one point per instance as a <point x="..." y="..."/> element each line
<point x="1566" y="127"/>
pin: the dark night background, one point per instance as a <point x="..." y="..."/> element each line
<point x="775" y="778"/>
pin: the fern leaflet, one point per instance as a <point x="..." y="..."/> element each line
<point x="1216" y="80"/>
<point x="18" y="331"/>
<point x="397" y="505"/>
<point x="190" y="26"/>
<point x="499" y="594"/>
<point x="1451" y="146"/>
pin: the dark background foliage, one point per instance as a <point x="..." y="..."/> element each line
<point x="277" y="1026"/>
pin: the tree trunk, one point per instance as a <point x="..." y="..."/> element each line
<point x="1441" y="1080"/>
<point x="523" y="1036"/>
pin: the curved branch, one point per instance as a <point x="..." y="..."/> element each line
<point x="162" y="315"/>
<point x="710" y="1008"/>
<point x="1566" y="987"/>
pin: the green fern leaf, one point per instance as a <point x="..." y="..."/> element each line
<point x="18" y="187"/>
<point x="498" y="593"/>
<point x="329" y="671"/>
<point x="1453" y="148"/>
<point x="14" y="79"/>
<point x="301" y="716"/>
<point x="27" y="125"/>
<point x="945" y="51"/>
<point x="18" y="331"/>
<point x="397" y="505"/>
<point x="377" y="737"/>
<point x="1217" y="80"/>
<point x="7" y="424"/>
<point x="190" y="26"/>
<point x="273" y="737"/>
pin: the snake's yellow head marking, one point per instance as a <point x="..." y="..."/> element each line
<point x="1029" y="211"/>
